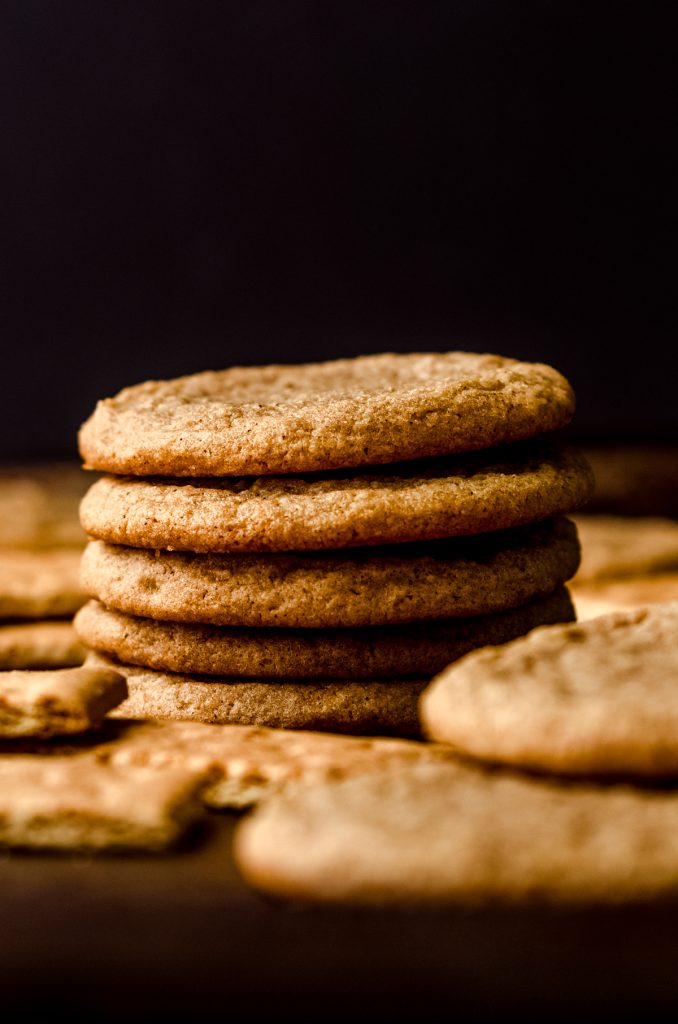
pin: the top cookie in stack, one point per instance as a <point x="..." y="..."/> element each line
<point x="359" y="523"/>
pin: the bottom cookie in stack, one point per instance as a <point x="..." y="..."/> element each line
<point x="360" y="681"/>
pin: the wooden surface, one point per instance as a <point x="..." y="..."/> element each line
<point x="181" y="937"/>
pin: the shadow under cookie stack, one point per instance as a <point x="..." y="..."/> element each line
<point x="306" y="546"/>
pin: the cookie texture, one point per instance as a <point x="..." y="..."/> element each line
<point x="461" y="578"/>
<point x="40" y="584"/>
<point x="39" y="505"/>
<point x="79" y="804"/>
<point x="362" y="708"/>
<point x="57" y="702"/>
<point x="615" y="547"/>
<point x="600" y="597"/>
<point x="465" y="494"/>
<point x="412" y="649"/>
<point x="317" y="416"/>
<point x="251" y="762"/>
<point x="596" y="697"/>
<point x="42" y="644"/>
<point x="439" y="834"/>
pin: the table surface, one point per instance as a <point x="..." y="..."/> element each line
<point x="182" y="937"/>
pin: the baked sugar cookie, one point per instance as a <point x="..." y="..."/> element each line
<point x="600" y="597"/>
<point x="40" y="584"/>
<point x="599" y="697"/>
<point x="42" y="644"/>
<point x="440" y="834"/>
<point x="362" y="708"/>
<point x="458" y="578"/>
<point x="617" y="547"/>
<point x="465" y="494"/>
<point x="417" y="649"/>
<point x="318" y="416"/>
<point x="39" y="505"/>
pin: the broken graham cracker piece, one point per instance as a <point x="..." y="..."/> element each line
<point x="79" y="804"/>
<point x="58" y="702"/>
<point x="253" y="762"/>
<point x="40" y="645"/>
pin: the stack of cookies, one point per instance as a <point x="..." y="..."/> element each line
<point x="305" y="546"/>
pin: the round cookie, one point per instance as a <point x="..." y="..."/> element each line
<point x="42" y="644"/>
<point x="316" y="416"/>
<point x="447" y="835"/>
<point x="360" y="708"/>
<point x="457" y="578"/>
<point x="40" y="584"/>
<point x="599" y="597"/>
<point x="465" y="494"/>
<point x="615" y="547"/>
<point x="598" y="697"/>
<point x="39" y="505"/>
<point x="371" y="652"/>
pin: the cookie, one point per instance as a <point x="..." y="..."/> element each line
<point x="71" y="804"/>
<point x="600" y="597"/>
<point x="40" y="584"/>
<point x="40" y="644"/>
<point x="413" y="649"/>
<point x="57" y="702"/>
<point x="453" y="496"/>
<point x="317" y="416"/>
<point x="598" y="697"/>
<point x="378" y="708"/>
<point x="456" y="578"/>
<point x="614" y="547"/>
<point x="254" y="762"/>
<point x="39" y="505"/>
<point x="440" y="834"/>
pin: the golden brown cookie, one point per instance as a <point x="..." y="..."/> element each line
<point x="457" y="578"/>
<point x="440" y="834"/>
<point x="77" y="803"/>
<point x="598" y="697"/>
<point x="42" y="644"/>
<point x="317" y="416"/>
<point x="372" y="708"/>
<point x="39" y="505"/>
<point x="40" y="584"/>
<point x="600" y="597"/>
<point x="465" y="494"/>
<point x="57" y="702"/>
<point x="417" y="649"/>
<point x="615" y="547"/>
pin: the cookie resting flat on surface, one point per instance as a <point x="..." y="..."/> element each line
<point x="331" y="415"/>
<point x="42" y="644"/>
<point x="40" y="584"/>
<point x="361" y="708"/>
<point x="598" y="697"/>
<point x="447" y="835"/>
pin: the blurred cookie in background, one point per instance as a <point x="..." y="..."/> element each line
<point x="626" y="561"/>
<point x="39" y="505"/>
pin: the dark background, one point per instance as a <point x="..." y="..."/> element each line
<point x="188" y="185"/>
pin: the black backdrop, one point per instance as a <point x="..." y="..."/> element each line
<point x="193" y="184"/>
